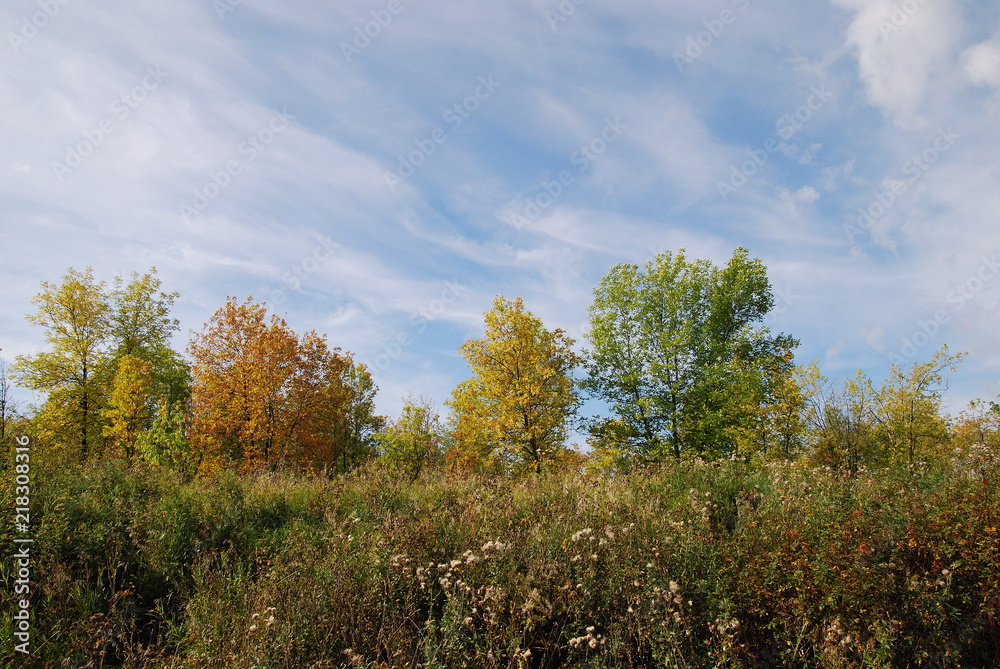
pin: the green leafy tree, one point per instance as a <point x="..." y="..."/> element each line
<point x="862" y="424"/>
<point x="679" y="355"/>
<point x="73" y="372"/>
<point x="516" y="408"/>
<point x="90" y="331"/>
<point x="909" y="408"/>
<point x="842" y="425"/>
<point x="773" y="426"/>
<point x="141" y="327"/>
<point x="414" y="441"/>
<point x="357" y="426"/>
<point x="165" y="442"/>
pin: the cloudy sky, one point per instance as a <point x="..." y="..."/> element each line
<point x="379" y="170"/>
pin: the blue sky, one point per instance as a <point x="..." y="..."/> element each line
<point x="379" y="170"/>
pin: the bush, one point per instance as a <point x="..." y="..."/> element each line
<point x="693" y="565"/>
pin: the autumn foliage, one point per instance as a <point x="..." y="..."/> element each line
<point x="734" y="510"/>
<point x="514" y="411"/>
<point x="263" y="396"/>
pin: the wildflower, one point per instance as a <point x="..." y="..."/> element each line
<point x="270" y="621"/>
<point x="253" y="628"/>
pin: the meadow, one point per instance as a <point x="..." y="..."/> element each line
<point x="691" y="564"/>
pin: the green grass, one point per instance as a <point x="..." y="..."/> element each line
<point x="694" y="565"/>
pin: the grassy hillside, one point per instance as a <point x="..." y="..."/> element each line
<point x="693" y="565"/>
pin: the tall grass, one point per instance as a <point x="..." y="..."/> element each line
<point x="693" y="565"/>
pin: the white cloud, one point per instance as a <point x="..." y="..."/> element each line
<point x="652" y="189"/>
<point x="982" y="64"/>
<point x="901" y="48"/>
<point x="807" y="194"/>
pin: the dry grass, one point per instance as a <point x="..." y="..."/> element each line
<point x="695" y="565"/>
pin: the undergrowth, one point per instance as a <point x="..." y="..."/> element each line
<point x="690" y="565"/>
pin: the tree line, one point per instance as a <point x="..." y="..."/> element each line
<point x="677" y="353"/>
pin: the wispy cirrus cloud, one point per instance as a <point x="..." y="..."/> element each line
<point x="896" y="73"/>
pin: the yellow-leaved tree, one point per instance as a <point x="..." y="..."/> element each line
<point x="128" y="410"/>
<point x="513" y="414"/>
<point x="910" y="416"/>
<point x="108" y="366"/>
<point x="73" y="371"/>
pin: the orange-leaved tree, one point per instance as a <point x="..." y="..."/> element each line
<point x="262" y="396"/>
<point x="514" y="411"/>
